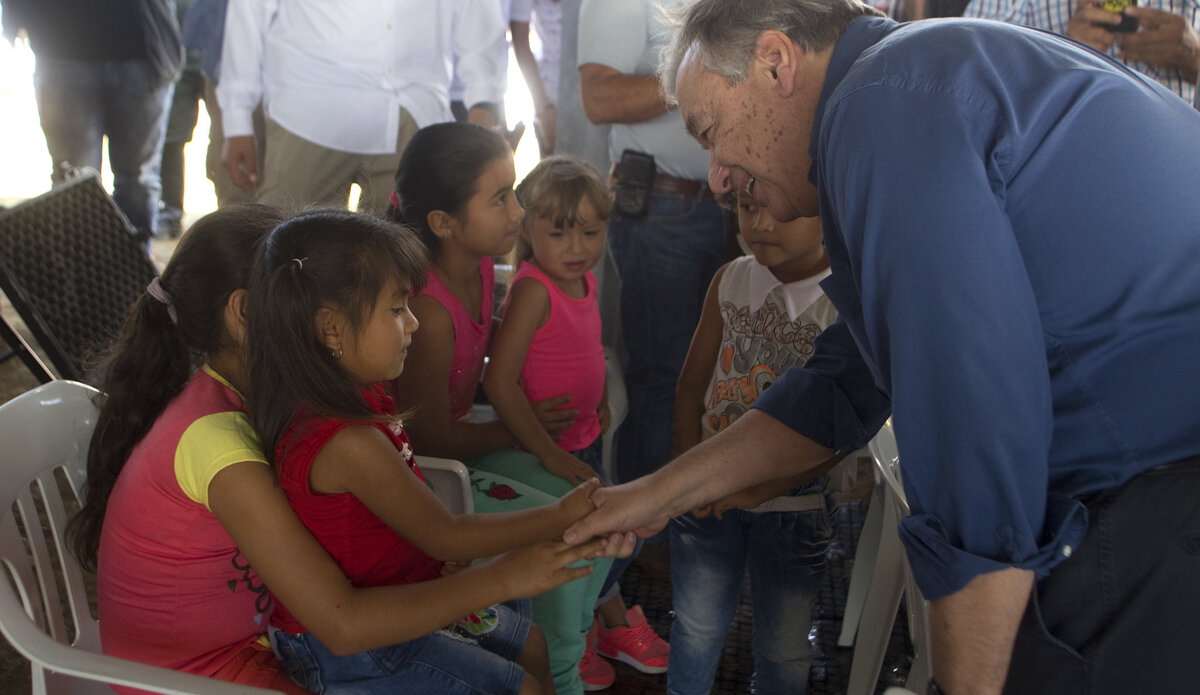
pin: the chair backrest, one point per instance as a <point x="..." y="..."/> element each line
<point x="451" y="482"/>
<point x="44" y="609"/>
<point x="71" y="267"/>
<point x="887" y="461"/>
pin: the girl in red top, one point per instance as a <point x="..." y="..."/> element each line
<point x="328" y="323"/>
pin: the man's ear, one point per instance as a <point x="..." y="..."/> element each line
<point x="235" y="315"/>
<point x="442" y="223"/>
<point x="776" y="59"/>
<point x="329" y="328"/>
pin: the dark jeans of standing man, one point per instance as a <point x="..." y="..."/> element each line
<point x="1122" y="615"/>
<point x="666" y="261"/>
<point x="81" y="101"/>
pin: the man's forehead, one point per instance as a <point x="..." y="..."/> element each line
<point x="687" y="92"/>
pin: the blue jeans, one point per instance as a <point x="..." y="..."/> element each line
<point x="471" y="657"/>
<point x="81" y="101"/>
<point x="666" y="261"/>
<point x="785" y="552"/>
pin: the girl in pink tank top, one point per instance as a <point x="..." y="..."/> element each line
<point x="455" y="187"/>
<point x="548" y="342"/>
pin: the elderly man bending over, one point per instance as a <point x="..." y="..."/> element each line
<point x="1028" y="321"/>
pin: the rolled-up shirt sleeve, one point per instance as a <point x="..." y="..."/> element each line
<point x="950" y="323"/>
<point x="241" y="85"/>
<point x="482" y="50"/>
<point x="833" y="399"/>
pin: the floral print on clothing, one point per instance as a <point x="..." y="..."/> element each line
<point x="478" y="623"/>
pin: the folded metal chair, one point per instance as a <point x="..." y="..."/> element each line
<point x="71" y="266"/>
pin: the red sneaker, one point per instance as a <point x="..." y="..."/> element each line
<point x="635" y="644"/>
<point x="596" y="673"/>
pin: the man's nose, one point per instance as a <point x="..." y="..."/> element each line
<point x="720" y="179"/>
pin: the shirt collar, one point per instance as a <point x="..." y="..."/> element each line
<point x="796" y="296"/>
<point x="860" y="35"/>
<point x="225" y="382"/>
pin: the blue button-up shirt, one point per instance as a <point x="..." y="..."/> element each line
<point x="1013" y="225"/>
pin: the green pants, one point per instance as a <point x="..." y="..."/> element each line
<point x="511" y="480"/>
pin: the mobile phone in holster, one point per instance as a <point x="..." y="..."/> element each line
<point x="1128" y="22"/>
<point x="635" y="182"/>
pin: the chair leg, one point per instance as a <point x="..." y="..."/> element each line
<point x="19" y="348"/>
<point x="864" y="567"/>
<point x="879" y="612"/>
<point x="918" y="632"/>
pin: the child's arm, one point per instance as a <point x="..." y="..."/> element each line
<point x="361" y="460"/>
<point x="697" y="370"/>
<point x="249" y="503"/>
<point x="424" y="387"/>
<point x="528" y="310"/>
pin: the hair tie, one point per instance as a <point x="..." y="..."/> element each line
<point x="394" y="200"/>
<point x="155" y="290"/>
<point x="300" y="262"/>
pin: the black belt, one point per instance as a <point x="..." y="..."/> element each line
<point x="666" y="183"/>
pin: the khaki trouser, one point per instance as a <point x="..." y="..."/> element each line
<point x="299" y="173"/>
<point x="227" y="192"/>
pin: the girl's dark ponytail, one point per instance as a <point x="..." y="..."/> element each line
<point x="160" y="344"/>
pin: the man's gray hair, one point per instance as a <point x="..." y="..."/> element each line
<point x="725" y="32"/>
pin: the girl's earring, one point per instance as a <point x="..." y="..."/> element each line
<point x="337" y="355"/>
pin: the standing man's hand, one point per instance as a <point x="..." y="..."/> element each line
<point x="240" y="157"/>
<point x="1164" y="40"/>
<point x="1084" y="28"/>
<point x="485" y="115"/>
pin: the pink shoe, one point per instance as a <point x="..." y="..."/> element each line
<point x="596" y="673"/>
<point x="636" y="645"/>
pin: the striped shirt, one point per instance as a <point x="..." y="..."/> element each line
<point x="1054" y="15"/>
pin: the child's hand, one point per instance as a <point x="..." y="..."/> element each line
<point x="553" y="416"/>
<point x="538" y="568"/>
<point x="577" y="503"/>
<point x="568" y="467"/>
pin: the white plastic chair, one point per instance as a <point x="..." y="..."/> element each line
<point x="451" y="482"/>
<point x="44" y="610"/>
<point x="881" y="575"/>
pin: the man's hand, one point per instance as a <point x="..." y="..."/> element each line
<point x="240" y="157"/>
<point x="485" y="115"/>
<point x="545" y="126"/>
<point x="1083" y="29"/>
<point x="1164" y="40"/>
<point x="633" y="506"/>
